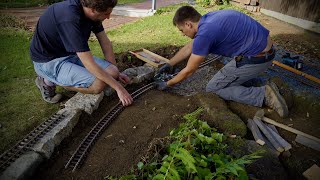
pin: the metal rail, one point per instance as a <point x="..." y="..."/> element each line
<point x="29" y="141"/>
<point x="79" y="155"/>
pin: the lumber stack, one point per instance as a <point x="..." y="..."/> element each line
<point x="267" y="134"/>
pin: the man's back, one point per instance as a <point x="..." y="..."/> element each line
<point x="61" y="31"/>
<point x="229" y="33"/>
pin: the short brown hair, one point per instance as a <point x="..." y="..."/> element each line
<point x="186" y="13"/>
<point x="99" y="5"/>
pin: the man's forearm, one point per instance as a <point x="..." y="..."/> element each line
<point x="182" y="75"/>
<point x="182" y="54"/>
<point x="106" y="47"/>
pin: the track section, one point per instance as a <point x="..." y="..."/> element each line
<point x="97" y="130"/>
<point x="29" y="141"/>
<point x="83" y="149"/>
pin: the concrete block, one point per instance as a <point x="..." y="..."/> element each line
<point x="62" y="130"/>
<point x="23" y="167"/>
<point x="85" y="102"/>
<point x="312" y="173"/>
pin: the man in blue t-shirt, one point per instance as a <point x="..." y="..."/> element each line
<point x="61" y="54"/>
<point x="232" y="34"/>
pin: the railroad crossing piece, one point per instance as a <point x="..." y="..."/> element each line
<point x="150" y="57"/>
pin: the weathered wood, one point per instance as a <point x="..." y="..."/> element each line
<point x="273" y="128"/>
<point x="308" y="142"/>
<point x="256" y="132"/>
<point x="279" y="139"/>
<point x="150" y="57"/>
<point x="268" y="134"/>
<point x="271" y="148"/>
<point x="313" y="173"/>
<point x="270" y="121"/>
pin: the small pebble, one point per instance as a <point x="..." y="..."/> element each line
<point x="154" y="108"/>
<point x="134" y="127"/>
<point x="307" y="114"/>
<point x="121" y="141"/>
<point x="290" y="119"/>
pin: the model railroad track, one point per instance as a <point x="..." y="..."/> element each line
<point x="84" y="148"/>
<point x="29" y="141"/>
<point x="98" y="129"/>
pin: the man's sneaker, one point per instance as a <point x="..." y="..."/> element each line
<point x="273" y="99"/>
<point x="48" y="92"/>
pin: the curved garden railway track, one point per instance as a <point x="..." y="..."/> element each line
<point x="82" y="150"/>
<point x="29" y="141"/>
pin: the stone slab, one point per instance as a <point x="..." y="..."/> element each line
<point x="23" y="167"/>
<point x="85" y="102"/>
<point x="62" y="130"/>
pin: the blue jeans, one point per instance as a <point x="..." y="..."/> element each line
<point x="68" y="71"/>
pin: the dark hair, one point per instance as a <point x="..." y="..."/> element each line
<point x="186" y="13"/>
<point x="99" y="5"/>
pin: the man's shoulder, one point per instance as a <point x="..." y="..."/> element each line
<point x="67" y="11"/>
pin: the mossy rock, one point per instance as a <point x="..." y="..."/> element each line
<point x="220" y="116"/>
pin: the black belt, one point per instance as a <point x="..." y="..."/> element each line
<point x="258" y="59"/>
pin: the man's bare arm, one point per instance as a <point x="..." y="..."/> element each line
<point x="182" y="54"/>
<point x="106" y="47"/>
<point x="193" y="64"/>
<point x="88" y="61"/>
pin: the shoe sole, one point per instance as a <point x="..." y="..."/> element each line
<point x="275" y="90"/>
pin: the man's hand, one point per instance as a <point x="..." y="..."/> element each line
<point x="165" y="69"/>
<point x="161" y="85"/>
<point x="124" y="96"/>
<point x="124" y="78"/>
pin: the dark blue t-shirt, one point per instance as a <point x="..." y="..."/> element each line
<point x="229" y="33"/>
<point x="61" y="31"/>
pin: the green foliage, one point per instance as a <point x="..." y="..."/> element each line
<point x="26" y="3"/>
<point x="209" y="3"/>
<point x="197" y="151"/>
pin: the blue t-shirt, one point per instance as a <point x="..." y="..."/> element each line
<point x="229" y="33"/>
<point x="61" y="31"/>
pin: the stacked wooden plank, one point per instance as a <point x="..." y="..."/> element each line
<point x="267" y="134"/>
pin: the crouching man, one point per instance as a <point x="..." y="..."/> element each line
<point x="61" y="54"/>
<point x="232" y="34"/>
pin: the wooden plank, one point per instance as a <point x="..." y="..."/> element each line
<point x="279" y="139"/>
<point x="273" y="128"/>
<point x="313" y="173"/>
<point x="271" y="148"/>
<point x="150" y="57"/>
<point x="308" y="142"/>
<point x="270" y="121"/>
<point x="156" y="55"/>
<point x="256" y="132"/>
<point x="268" y="134"/>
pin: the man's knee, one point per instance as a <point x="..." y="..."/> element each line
<point x="97" y="87"/>
<point x="113" y="71"/>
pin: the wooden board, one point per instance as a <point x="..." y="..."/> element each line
<point x="150" y="57"/>
<point x="308" y="142"/>
<point x="256" y="132"/>
<point x="313" y="173"/>
<point x="268" y="134"/>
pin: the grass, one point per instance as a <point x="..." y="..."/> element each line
<point x="34" y="3"/>
<point x="22" y="107"/>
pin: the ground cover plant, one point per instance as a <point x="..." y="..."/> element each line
<point x="196" y="151"/>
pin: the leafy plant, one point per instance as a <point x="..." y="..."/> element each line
<point x="197" y="151"/>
